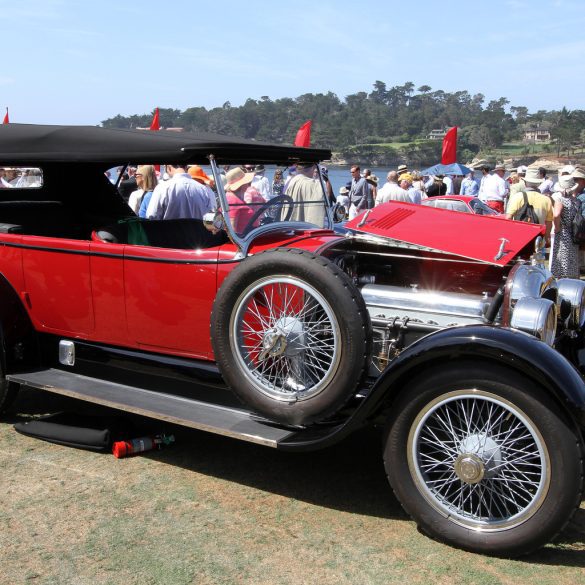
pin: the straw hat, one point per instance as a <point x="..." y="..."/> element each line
<point x="533" y="176"/>
<point x="567" y="170"/>
<point x="236" y="178"/>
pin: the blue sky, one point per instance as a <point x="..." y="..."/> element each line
<point x="73" y="62"/>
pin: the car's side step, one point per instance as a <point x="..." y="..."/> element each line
<point x="174" y="409"/>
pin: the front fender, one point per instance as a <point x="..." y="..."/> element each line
<point x="517" y="350"/>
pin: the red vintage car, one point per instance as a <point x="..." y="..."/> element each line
<point x="462" y="203"/>
<point x="447" y="330"/>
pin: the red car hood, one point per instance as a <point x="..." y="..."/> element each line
<point x="451" y="232"/>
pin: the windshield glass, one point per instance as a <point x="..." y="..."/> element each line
<point x="481" y="208"/>
<point x="444" y="203"/>
<point x="259" y="195"/>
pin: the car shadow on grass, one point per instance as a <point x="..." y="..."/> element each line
<point x="348" y="476"/>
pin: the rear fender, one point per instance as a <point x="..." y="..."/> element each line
<point x="18" y="338"/>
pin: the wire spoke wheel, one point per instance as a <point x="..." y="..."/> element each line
<point x="479" y="460"/>
<point x="286" y="337"/>
<point x="291" y="335"/>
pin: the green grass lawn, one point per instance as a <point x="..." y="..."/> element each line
<point x="212" y="510"/>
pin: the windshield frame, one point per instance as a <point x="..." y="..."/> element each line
<point x="244" y="242"/>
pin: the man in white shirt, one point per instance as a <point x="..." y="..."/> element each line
<point x="494" y="190"/>
<point x="449" y="182"/>
<point x="179" y="197"/>
<point x="392" y="191"/>
<point x="261" y="183"/>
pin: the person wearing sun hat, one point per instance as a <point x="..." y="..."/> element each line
<point x="200" y="175"/>
<point x="242" y="198"/>
<point x="372" y="181"/>
<point x="564" y="171"/>
<point x="406" y="183"/>
<point x="541" y="203"/>
<point x="401" y="170"/>
<point x="519" y="185"/>
<point x="343" y="197"/>
<point x="565" y="253"/>
<point x="578" y="175"/>
<point x="203" y="178"/>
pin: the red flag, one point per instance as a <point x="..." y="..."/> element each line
<point x="449" y="155"/>
<point x="6" y="120"/>
<point x="155" y="124"/>
<point x="304" y="135"/>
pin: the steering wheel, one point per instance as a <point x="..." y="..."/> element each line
<point x="272" y="206"/>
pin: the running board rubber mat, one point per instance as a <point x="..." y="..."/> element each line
<point x="221" y="420"/>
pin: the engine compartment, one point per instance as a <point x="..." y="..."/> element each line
<point x="411" y="292"/>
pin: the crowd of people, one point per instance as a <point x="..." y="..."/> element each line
<point x="177" y="191"/>
<point x="555" y="201"/>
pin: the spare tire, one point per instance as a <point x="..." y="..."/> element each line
<point x="291" y="335"/>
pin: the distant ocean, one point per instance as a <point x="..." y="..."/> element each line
<point x="339" y="176"/>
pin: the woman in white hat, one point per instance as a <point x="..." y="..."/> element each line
<point x="343" y="198"/>
<point x="565" y="253"/>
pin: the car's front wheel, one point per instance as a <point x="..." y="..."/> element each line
<point x="484" y="460"/>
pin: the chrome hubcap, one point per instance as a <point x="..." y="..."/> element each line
<point x="286" y="337"/>
<point x="469" y="468"/>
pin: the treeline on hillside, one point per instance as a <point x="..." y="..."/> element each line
<point x="383" y="125"/>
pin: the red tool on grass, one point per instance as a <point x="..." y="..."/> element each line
<point x="134" y="446"/>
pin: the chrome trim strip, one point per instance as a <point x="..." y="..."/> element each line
<point x="121" y="255"/>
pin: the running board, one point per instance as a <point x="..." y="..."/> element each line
<point x="229" y="422"/>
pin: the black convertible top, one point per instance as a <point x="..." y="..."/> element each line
<point x="29" y="144"/>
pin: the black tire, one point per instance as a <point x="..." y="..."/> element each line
<point x="503" y="485"/>
<point x="8" y="392"/>
<point x="291" y="335"/>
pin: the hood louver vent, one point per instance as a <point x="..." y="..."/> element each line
<point x="392" y="219"/>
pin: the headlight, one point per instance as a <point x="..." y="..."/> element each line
<point x="529" y="281"/>
<point x="573" y="291"/>
<point x="537" y="317"/>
